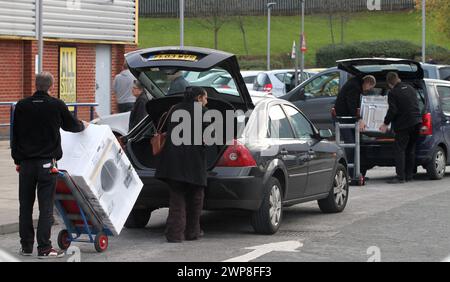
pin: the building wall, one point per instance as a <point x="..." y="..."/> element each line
<point x="17" y="71"/>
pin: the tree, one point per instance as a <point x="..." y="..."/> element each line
<point x="438" y="11"/>
<point x="216" y="17"/>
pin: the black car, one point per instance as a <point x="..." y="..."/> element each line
<point x="378" y="150"/>
<point x="278" y="158"/>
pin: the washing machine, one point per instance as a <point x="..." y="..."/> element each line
<point x="98" y="165"/>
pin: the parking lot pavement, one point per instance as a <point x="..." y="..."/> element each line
<point x="9" y="195"/>
<point x="389" y="222"/>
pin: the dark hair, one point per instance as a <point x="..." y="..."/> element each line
<point x="138" y="84"/>
<point x="392" y="78"/>
<point x="193" y="92"/>
<point x="44" y="81"/>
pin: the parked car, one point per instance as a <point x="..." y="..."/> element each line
<point x="249" y="78"/>
<point x="288" y="162"/>
<point x="278" y="82"/>
<point x="317" y="96"/>
<point x="441" y="72"/>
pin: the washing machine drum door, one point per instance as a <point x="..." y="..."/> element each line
<point x="109" y="175"/>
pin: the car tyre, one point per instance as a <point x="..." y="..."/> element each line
<point x="138" y="219"/>
<point x="338" y="196"/>
<point x="436" y="168"/>
<point x="267" y="219"/>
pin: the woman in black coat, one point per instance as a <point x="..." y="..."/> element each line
<point x="139" y="112"/>
<point x="183" y="166"/>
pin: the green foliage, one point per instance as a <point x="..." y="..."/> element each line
<point x="328" y="55"/>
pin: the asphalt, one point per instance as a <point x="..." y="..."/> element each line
<point x="384" y="222"/>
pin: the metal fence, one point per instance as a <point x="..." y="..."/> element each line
<point x="195" y="8"/>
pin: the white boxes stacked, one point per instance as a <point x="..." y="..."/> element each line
<point x="100" y="168"/>
<point x="373" y="111"/>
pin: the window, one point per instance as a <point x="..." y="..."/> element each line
<point x="249" y="79"/>
<point x="445" y="73"/>
<point x="302" y="127"/>
<point x="326" y="85"/>
<point x="279" y="126"/>
<point x="444" y="94"/>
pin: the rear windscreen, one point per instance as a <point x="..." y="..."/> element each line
<point x="168" y="82"/>
<point x="391" y="67"/>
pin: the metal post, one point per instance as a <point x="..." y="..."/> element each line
<point x="269" y="13"/>
<point x="182" y="23"/>
<point x="357" y="167"/>
<point x="268" y="37"/>
<point x="302" y="67"/>
<point x="424" y="30"/>
<point x="39" y="34"/>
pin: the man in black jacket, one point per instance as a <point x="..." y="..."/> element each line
<point x="35" y="147"/>
<point x="347" y="104"/>
<point x="404" y="114"/>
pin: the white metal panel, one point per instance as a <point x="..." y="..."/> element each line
<point x="104" y="20"/>
<point x="98" y="20"/>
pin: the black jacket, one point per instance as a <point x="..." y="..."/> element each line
<point x="349" y="98"/>
<point x="404" y="111"/>
<point x="183" y="163"/>
<point x="36" y="125"/>
<point x="139" y="111"/>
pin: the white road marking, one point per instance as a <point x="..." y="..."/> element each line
<point x="5" y="257"/>
<point x="258" y="251"/>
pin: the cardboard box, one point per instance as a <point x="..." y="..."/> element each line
<point x="373" y="111"/>
<point x="102" y="171"/>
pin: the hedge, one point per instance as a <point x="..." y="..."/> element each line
<point x="328" y="55"/>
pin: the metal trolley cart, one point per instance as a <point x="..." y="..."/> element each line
<point x="352" y="123"/>
<point x="78" y="216"/>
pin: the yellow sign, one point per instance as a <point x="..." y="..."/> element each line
<point x="173" y="57"/>
<point x="68" y="74"/>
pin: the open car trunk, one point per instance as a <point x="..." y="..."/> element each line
<point x="139" y="145"/>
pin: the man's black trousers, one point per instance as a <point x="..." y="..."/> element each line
<point x="35" y="176"/>
<point x="405" y="152"/>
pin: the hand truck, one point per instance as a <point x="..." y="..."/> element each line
<point x="78" y="215"/>
<point x="351" y="123"/>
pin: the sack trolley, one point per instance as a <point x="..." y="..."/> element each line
<point x="78" y="215"/>
<point x="351" y="123"/>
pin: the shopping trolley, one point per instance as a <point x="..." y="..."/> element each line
<point x="80" y="219"/>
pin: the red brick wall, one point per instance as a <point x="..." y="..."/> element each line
<point x="11" y="65"/>
<point x="17" y="67"/>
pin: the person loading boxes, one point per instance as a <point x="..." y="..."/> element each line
<point x="35" y="147"/>
<point x="347" y="104"/>
<point x="404" y="114"/>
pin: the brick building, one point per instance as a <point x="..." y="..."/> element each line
<point x="84" y="46"/>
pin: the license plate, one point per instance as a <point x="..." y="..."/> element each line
<point x="173" y="57"/>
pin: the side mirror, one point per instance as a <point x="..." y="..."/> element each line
<point x="325" y="134"/>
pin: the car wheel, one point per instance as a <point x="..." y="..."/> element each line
<point x="436" y="168"/>
<point x="268" y="218"/>
<point x="138" y="219"/>
<point x="338" y="196"/>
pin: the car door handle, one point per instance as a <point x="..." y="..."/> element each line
<point x="284" y="152"/>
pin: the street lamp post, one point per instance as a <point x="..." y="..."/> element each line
<point x="181" y="23"/>
<point x="424" y="30"/>
<point x="302" y="66"/>
<point x="269" y="12"/>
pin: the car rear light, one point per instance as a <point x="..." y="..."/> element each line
<point x="427" y="125"/>
<point x="268" y="87"/>
<point x="236" y="155"/>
